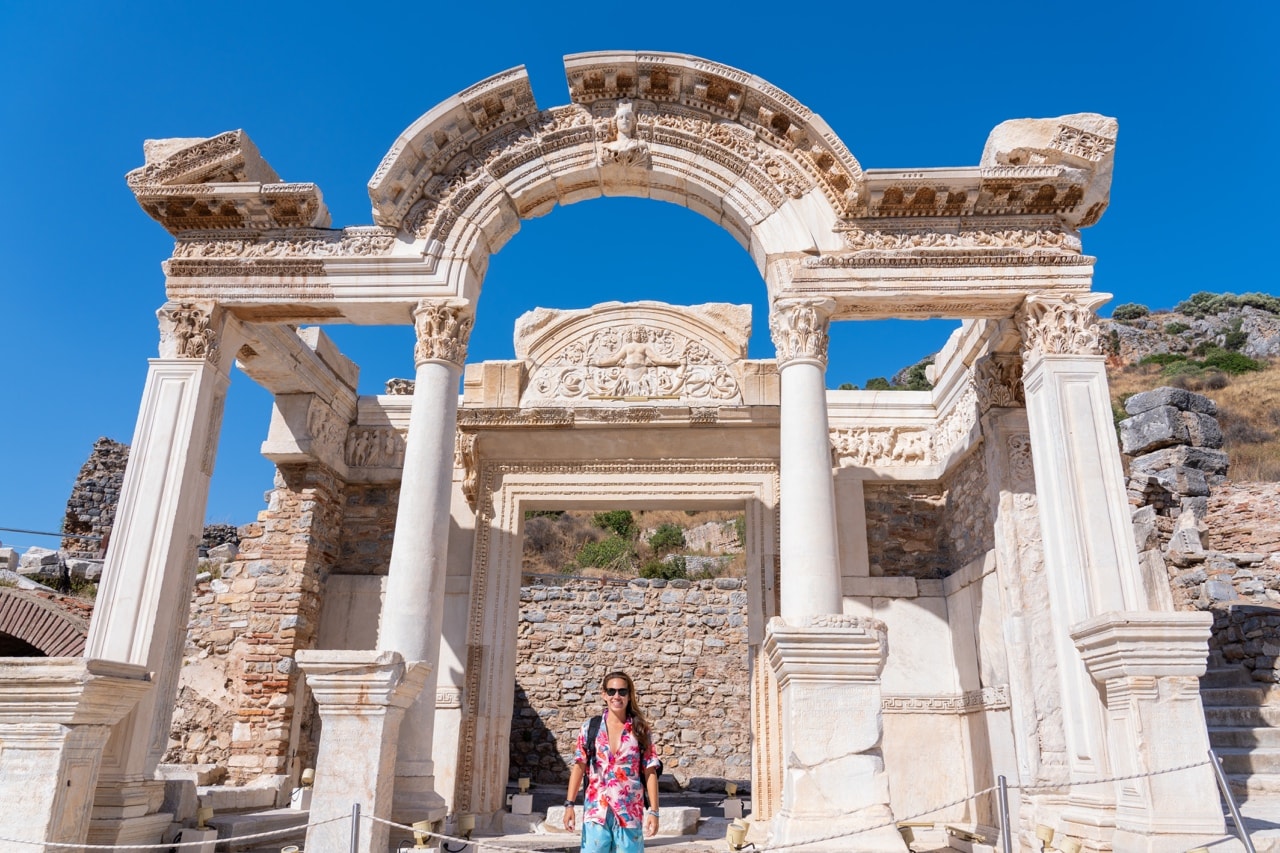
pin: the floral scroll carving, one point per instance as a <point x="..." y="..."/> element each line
<point x="443" y="329"/>
<point x="1060" y="326"/>
<point x="186" y="331"/>
<point x="799" y="328"/>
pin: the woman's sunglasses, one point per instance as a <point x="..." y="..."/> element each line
<point x="618" y="691"/>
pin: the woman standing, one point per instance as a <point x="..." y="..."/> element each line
<point x="621" y="765"/>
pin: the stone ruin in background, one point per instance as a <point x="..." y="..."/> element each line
<point x="1174" y="439"/>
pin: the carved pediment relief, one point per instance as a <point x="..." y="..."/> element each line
<point x="632" y="352"/>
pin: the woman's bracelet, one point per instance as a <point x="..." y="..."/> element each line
<point x="653" y="812"/>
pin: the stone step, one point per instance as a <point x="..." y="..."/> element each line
<point x="1242" y="761"/>
<point x="1255" y="786"/>
<point x="237" y="825"/>
<point x="1246" y="737"/>
<point x="1243" y="696"/>
<point x="1226" y="676"/>
<point x="1264" y="716"/>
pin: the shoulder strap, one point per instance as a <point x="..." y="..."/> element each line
<point x="593" y="732"/>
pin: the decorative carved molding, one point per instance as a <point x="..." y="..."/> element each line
<point x="964" y="237"/>
<point x="474" y="418"/>
<point x="863" y="260"/>
<point x="799" y="330"/>
<point x="307" y="243"/>
<point x="997" y="379"/>
<point x="1082" y="143"/>
<point x="1060" y="325"/>
<point x="400" y="387"/>
<point x="187" y="331"/>
<point x="375" y="447"/>
<point x="443" y="329"/>
<point x="969" y="702"/>
<point x="464" y="458"/>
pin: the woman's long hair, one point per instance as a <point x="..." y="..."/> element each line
<point x="639" y="725"/>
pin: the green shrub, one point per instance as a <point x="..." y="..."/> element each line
<point x="916" y="379"/>
<point x="1129" y="311"/>
<point x="613" y="552"/>
<point x="1204" y="303"/>
<point x="846" y="386"/>
<point x="740" y="527"/>
<point x="1163" y="358"/>
<point x="673" y="569"/>
<point x="879" y="383"/>
<point x="667" y="538"/>
<point x="620" y="521"/>
<point x="1234" y="340"/>
<point x="1175" y="328"/>
<point x="1231" y="362"/>
<point x="1113" y="340"/>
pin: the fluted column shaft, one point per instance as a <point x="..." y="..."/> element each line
<point x="413" y="611"/>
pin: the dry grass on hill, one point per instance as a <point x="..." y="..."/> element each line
<point x="1248" y="411"/>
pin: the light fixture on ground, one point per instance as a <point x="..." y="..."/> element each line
<point x="736" y="836"/>
<point x="464" y="825"/>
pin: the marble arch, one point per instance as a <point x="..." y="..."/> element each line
<point x="1074" y="654"/>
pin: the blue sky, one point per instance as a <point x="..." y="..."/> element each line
<point x="324" y="89"/>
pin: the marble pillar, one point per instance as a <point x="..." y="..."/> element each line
<point x="413" y="611"/>
<point x="141" y="614"/>
<point x="807" y="512"/>
<point x="55" y="717"/>
<point x="1149" y="665"/>
<point x="362" y="697"/>
<point x="834" y="783"/>
<point x="827" y="665"/>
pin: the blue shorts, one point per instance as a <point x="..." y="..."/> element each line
<point x="610" y="837"/>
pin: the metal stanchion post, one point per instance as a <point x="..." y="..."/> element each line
<point x="1006" y="830"/>
<point x="355" y="828"/>
<point x="1231" y="803"/>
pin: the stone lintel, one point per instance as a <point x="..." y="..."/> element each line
<point x="1144" y="644"/>
<point x="827" y="649"/>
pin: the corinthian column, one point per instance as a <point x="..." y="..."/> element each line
<point x="414" y="606"/>
<point x="810" y="564"/>
<point x="141" y="616"/>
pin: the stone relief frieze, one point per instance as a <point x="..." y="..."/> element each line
<point x="860" y="239"/>
<point x="349" y="242"/>
<point x="997" y="380"/>
<point x="638" y="361"/>
<point x="799" y="328"/>
<point x="956" y="424"/>
<point x="858" y="260"/>
<point x="1082" y="143"/>
<point x="186" y="331"/>
<point x="327" y="430"/>
<point x="1059" y="326"/>
<point x="477" y="418"/>
<point x="375" y="447"/>
<point x="867" y="447"/>
<point x="1020" y="463"/>
<point x="443" y="329"/>
<point x="624" y="149"/>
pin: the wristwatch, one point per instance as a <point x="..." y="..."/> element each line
<point x="568" y="804"/>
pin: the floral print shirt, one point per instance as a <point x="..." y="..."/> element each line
<point x="615" y="782"/>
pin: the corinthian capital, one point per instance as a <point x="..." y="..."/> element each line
<point x="189" y="330"/>
<point x="1063" y="325"/>
<point x="799" y="330"/>
<point x="443" y="328"/>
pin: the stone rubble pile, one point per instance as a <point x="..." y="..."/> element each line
<point x="1175" y="443"/>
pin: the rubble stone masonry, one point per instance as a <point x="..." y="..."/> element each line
<point x="683" y="642"/>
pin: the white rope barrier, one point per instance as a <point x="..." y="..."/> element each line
<point x="483" y="844"/>
<point x="178" y="845"/>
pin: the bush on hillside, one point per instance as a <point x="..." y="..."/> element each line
<point x="611" y="553"/>
<point x="1175" y="328"/>
<point x="1205" y="304"/>
<point x="667" y="538"/>
<point x="1129" y="311"/>
<point x="620" y="521"/>
<point x="673" y="569"/>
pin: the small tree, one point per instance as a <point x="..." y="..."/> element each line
<point x="667" y="538"/>
<point x="879" y="383"/>
<point x="620" y="521"/>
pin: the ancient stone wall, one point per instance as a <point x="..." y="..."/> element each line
<point x="91" y="509"/>
<point x="246" y="626"/>
<point x="968" y="519"/>
<point x="368" y="528"/>
<point x="904" y="521"/>
<point x="683" y="642"/>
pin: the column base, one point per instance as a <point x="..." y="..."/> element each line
<point x="147" y="829"/>
<point x="362" y="697"/>
<point x="55" y="717"/>
<point x="833" y="781"/>
<point x="416" y="799"/>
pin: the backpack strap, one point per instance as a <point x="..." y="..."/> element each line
<point x="593" y="732"/>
